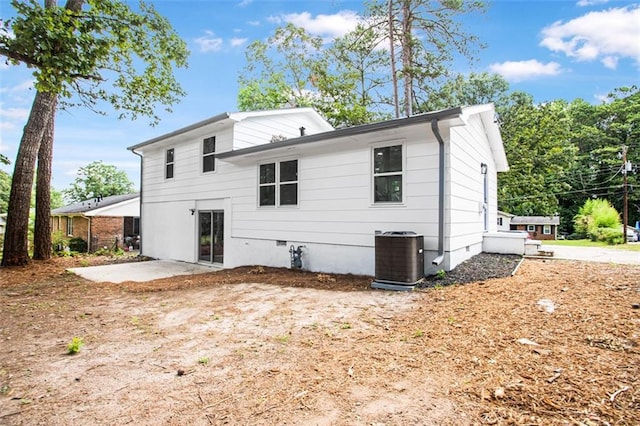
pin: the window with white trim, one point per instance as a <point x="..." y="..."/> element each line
<point x="531" y="228"/>
<point x="168" y="165"/>
<point x="209" y="154"/>
<point x="69" y="225"/>
<point x="387" y="174"/>
<point x="546" y="230"/>
<point x="499" y="221"/>
<point x="278" y="184"/>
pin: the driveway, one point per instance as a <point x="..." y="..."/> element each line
<point x="595" y="254"/>
<point x="141" y="271"/>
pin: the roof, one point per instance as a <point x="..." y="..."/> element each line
<point x="505" y="214"/>
<point x="535" y="220"/>
<point x="232" y="117"/>
<point x="345" y="131"/>
<point x="457" y="116"/>
<point x="94" y="204"/>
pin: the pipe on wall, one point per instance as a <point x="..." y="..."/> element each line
<point x="140" y="202"/>
<point x="441" y="176"/>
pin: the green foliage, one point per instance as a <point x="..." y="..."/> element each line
<point x="598" y="220"/>
<point x="74" y="346"/>
<point x="203" y="360"/>
<point x="134" y="50"/>
<point x="5" y="191"/>
<point x="77" y="244"/>
<point x="59" y="241"/>
<point x="98" y="179"/>
<point x="537" y="141"/>
<point x="441" y="274"/>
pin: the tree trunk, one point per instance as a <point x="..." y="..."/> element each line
<point x="16" y="239"/>
<point x="407" y="56"/>
<point x="42" y="231"/>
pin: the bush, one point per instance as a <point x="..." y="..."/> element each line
<point x="78" y="244"/>
<point x="608" y="235"/>
<point x="598" y="220"/>
<point x="59" y="241"/>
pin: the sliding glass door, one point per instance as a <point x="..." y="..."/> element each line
<point x="211" y="236"/>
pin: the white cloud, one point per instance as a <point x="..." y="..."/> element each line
<point x="583" y="3"/>
<point x="245" y="3"/>
<point x="525" y="70"/>
<point x="237" y="42"/>
<point x="606" y="35"/>
<point x="326" y="26"/>
<point x="254" y="23"/>
<point x="209" y="43"/>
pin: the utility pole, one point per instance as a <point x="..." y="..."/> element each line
<point x="625" y="218"/>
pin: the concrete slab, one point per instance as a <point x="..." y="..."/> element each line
<point x="141" y="271"/>
<point x="595" y="254"/>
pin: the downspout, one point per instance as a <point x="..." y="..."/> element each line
<point x="436" y="131"/>
<point x="140" y="202"/>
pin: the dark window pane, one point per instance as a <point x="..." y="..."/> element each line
<point x="208" y="163"/>
<point x="268" y="173"/>
<point x="289" y="171"/>
<point x="289" y="194"/>
<point x="209" y="145"/>
<point x="268" y="195"/>
<point x="388" y="189"/>
<point x="387" y="159"/>
<point x="169" y="171"/>
<point x="170" y="155"/>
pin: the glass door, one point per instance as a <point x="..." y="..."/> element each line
<point x="211" y="236"/>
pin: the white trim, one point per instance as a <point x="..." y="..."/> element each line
<point x="372" y="175"/>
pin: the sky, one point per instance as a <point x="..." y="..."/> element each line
<point x="553" y="49"/>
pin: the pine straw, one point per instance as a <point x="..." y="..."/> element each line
<point x="460" y="343"/>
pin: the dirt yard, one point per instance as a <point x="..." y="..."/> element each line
<point x="557" y="343"/>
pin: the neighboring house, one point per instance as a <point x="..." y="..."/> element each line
<point x="3" y="223"/>
<point x="101" y="222"/>
<point x="538" y="227"/>
<point x="249" y="188"/>
<point x="504" y="221"/>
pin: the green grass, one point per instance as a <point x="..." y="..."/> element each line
<point x="589" y="243"/>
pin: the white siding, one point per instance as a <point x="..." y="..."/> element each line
<point x="259" y="130"/>
<point x="335" y="219"/>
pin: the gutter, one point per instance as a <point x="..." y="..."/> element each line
<point x="436" y="131"/>
<point x="133" y="149"/>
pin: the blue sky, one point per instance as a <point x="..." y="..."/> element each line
<point x="554" y="49"/>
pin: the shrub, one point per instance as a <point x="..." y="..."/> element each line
<point x="78" y="244"/>
<point x="59" y="241"/>
<point x="610" y="236"/>
<point x="598" y="220"/>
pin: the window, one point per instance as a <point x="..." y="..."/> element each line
<point x="531" y="228"/>
<point x="209" y="154"/>
<point x="168" y="169"/>
<point x="136" y="226"/>
<point x="546" y="230"/>
<point x="499" y="221"/>
<point x="69" y="225"/>
<point x="278" y="184"/>
<point x="387" y="174"/>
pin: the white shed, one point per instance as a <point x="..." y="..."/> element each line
<point x="243" y="188"/>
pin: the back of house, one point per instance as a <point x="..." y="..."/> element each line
<point x="269" y="187"/>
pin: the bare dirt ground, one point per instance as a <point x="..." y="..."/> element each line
<point x="557" y="343"/>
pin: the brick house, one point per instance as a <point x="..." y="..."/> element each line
<point x="538" y="227"/>
<point x="104" y="222"/>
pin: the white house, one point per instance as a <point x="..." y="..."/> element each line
<point x="243" y="188"/>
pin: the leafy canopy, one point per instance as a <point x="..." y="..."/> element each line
<point x="98" y="180"/>
<point x="105" y="53"/>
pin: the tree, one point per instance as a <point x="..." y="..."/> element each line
<point x="429" y="36"/>
<point x="278" y="71"/>
<point x="539" y="151"/>
<point x="472" y="90"/>
<point x="98" y="180"/>
<point x="106" y="53"/>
